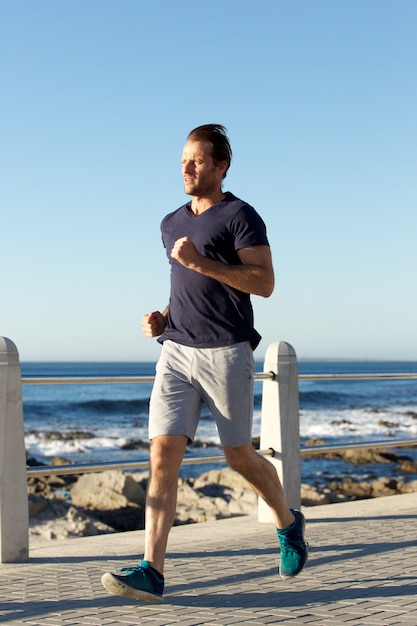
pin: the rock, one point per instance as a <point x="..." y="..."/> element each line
<point x="313" y="496"/>
<point x="32" y="462"/>
<point x="357" y="456"/>
<point x="388" y="424"/>
<point x="64" y="523"/>
<point x="355" y="490"/>
<point x="362" y="456"/>
<point x="130" y="517"/>
<point x="82" y="525"/>
<point x="216" y="494"/>
<point x="114" y="498"/>
<point x="60" y="460"/>
<point x="315" y="442"/>
<point x="410" y="487"/>
<point x="341" y="422"/>
<point x="78" y="434"/>
<point x="48" y="485"/>
<point x="407" y="466"/>
<point x="57" y="435"/>
<point x="243" y="502"/>
<point x="225" y="477"/>
<point x="135" y="444"/>
<point x="106" y="491"/>
<point x="37" y="504"/>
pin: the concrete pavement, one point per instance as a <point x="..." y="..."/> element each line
<point x="362" y="570"/>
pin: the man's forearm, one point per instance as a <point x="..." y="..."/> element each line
<point x="253" y="279"/>
<point x="255" y="274"/>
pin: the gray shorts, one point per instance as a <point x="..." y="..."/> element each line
<point x="186" y="378"/>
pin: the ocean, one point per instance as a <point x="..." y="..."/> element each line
<point x="87" y="423"/>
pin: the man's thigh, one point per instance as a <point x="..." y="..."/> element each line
<point x="225" y="379"/>
<point x="175" y="404"/>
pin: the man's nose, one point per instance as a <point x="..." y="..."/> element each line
<point x="188" y="167"/>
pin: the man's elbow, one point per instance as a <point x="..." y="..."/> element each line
<point x="267" y="288"/>
<point x="267" y="293"/>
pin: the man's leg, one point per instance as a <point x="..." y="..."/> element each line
<point x="290" y="523"/>
<point x="263" y="477"/>
<point x="166" y="454"/>
<point x="145" y="581"/>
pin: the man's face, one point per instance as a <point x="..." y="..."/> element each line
<point x="201" y="175"/>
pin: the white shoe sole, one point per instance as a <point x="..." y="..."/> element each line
<point x="118" y="588"/>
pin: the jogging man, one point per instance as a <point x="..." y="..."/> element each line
<point x="219" y="255"/>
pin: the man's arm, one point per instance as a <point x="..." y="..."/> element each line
<point x="255" y="275"/>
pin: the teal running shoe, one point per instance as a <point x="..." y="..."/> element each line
<point x="139" y="582"/>
<point x="294" y="550"/>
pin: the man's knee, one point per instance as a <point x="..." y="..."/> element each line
<point x="167" y="451"/>
<point x="240" y="459"/>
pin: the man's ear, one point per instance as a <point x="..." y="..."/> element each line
<point x="222" y="167"/>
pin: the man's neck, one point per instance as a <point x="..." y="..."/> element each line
<point x="199" y="205"/>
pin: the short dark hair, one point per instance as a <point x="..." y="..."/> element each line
<point x="216" y="135"/>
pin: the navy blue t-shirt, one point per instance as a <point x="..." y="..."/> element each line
<point x="204" y="312"/>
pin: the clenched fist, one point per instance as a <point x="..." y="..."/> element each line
<point x="153" y="324"/>
<point x="185" y="252"/>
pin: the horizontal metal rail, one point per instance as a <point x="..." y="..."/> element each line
<point x="89" y="468"/>
<point x="106" y="380"/>
<point x="62" y="470"/>
<point x="85" y="380"/>
<point x="396" y="443"/>
<point x="381" y="376"/>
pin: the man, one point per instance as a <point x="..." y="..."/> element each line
<point x="219" y="254"/>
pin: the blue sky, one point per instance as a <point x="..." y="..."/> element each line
<point x="319" y="99"/>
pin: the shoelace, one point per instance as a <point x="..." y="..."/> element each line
<point x="130" y="570"/>
<point x="287" y="547"/>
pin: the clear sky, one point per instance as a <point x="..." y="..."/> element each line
<point x="319" y="99"/>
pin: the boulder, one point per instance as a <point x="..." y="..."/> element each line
<point x="226" y="477"/>
<point x="37" y="504"/>
<point x="407" y="466"/>
<point x="107" y="491"/>
<point x="62" y="522"/>
<point x="314" y="496"/>
<point x="383" y="486"/>
<point x="216" y="494"/>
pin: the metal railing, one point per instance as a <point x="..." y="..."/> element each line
<point x="108" y="380"/>
<point x="84" y="468"/>
<point x="380" y="376"/>
<point x="103" y="380"/>
<point x="89" y="468"/>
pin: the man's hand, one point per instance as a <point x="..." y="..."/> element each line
<point x="153" y="324"/>
<point x="185" y="252"/>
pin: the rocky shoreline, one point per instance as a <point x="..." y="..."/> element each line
<point x="113" y="501"/>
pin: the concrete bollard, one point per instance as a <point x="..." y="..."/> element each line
<point x="280" y="425"/>
<point x="14" y="535"/>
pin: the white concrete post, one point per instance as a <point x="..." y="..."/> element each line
<point x="14" y="535"/>
<point x="280" y="426"/>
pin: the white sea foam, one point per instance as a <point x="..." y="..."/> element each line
<point x="358" y="423"/>
<point x="47" y="448"/>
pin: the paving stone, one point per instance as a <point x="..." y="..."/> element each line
<point x="361" y="572"/>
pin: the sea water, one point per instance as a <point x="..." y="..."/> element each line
<point x="86" y="423"/>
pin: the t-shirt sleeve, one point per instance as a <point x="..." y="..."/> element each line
<point x="248" y="229"/>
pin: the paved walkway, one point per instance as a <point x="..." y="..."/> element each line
<point x="362" y="570"/>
